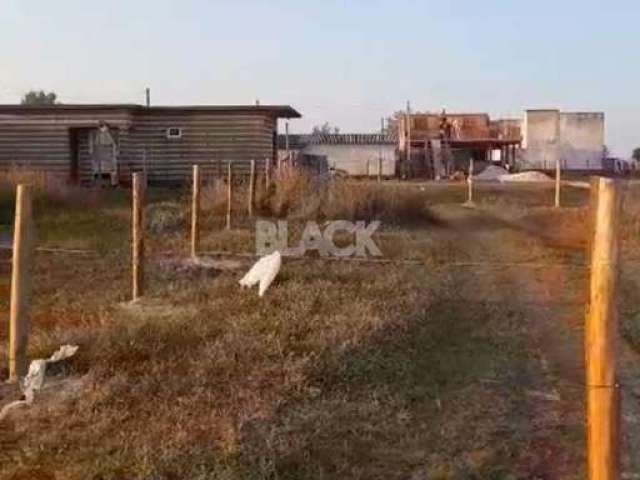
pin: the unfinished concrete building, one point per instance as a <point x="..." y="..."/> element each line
<point x="436" y="145"/>
<point x="575" y="139"/>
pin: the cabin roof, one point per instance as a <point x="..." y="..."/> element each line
<point x="283" y="111"/>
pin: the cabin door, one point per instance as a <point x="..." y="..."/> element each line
<point x="103" y="151"/>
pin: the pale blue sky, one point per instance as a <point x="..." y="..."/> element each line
<point x="346" y="62"/>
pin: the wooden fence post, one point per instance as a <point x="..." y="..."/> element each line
<point x="379" y="169"/>
<point x="195" y="212"/>
<point x="20" y="284"/>
<point x="593" y="202"/>
<point x="557" y="202"/>
<point x="601" y="329"/>
<point x="267" y="174"/>
<point x="252" y="185"/>
<point x="229" y="194"/>
<point x="137" y="227"/>
<point x="470" y="184"/>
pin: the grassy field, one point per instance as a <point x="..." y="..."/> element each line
<point x="460" y="356"/>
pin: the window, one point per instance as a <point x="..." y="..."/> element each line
<point x="174" y="133"/>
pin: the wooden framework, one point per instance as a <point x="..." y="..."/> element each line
<point x="435" y="139"/>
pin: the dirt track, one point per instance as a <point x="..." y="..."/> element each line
<point x="547" y="284"/>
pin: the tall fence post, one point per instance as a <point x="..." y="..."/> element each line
<point x="229" y="194"/>
<point x="252" y="186"/>
<point x="20" y="284"/>
<point x="137" y="227"/>
<point x="195" y="212"/>
<point x="601" y="329"/>
<point x="470" y="183"/>
<point x="267" y="174"/>
<point x="557" y="202"/>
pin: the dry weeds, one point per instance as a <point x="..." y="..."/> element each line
<point x="345" y="370"/>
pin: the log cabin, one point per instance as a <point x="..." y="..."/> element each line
<point x="64" y="140"/>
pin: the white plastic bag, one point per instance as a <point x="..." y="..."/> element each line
<point x="264" y="271"/>
<point x="34" y="380"/>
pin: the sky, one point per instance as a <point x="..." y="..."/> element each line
<point x="348" y="63"/>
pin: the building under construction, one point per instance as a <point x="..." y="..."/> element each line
<point x="436" y="145"/>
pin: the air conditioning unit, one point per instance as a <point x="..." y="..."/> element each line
<point x="173" y="133"/>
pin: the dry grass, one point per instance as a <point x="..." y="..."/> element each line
<point x="51" y="192"/>
<point x="213" y="198"/>
<point x="630" y="244"/>
<point x="17" y="174"/>
<point x="344" y="370"/>
<point x="296" y="195"/>
<point x="330" y="375"/>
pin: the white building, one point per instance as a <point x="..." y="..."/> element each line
<point x="354" y="154"/>
<point x="576" y="139"/>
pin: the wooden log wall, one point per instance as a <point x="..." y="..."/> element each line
<point x="42" y="141"/>
<point x="35" y="147"/>
<point x="48" y="141"/>
<point x="206" y="140"/>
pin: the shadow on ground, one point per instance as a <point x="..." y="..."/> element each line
<point x="453" y="393"/>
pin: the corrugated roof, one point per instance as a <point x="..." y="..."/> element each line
<point x="298" y="141"/>
<point x="284" y="111"/>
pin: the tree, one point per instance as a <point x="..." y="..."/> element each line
<point x="636" y="154"/>
<point x="324" y="129"/>
<point x="34" y="97"/>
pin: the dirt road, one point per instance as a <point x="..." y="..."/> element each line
<point x="539" y="272"/>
